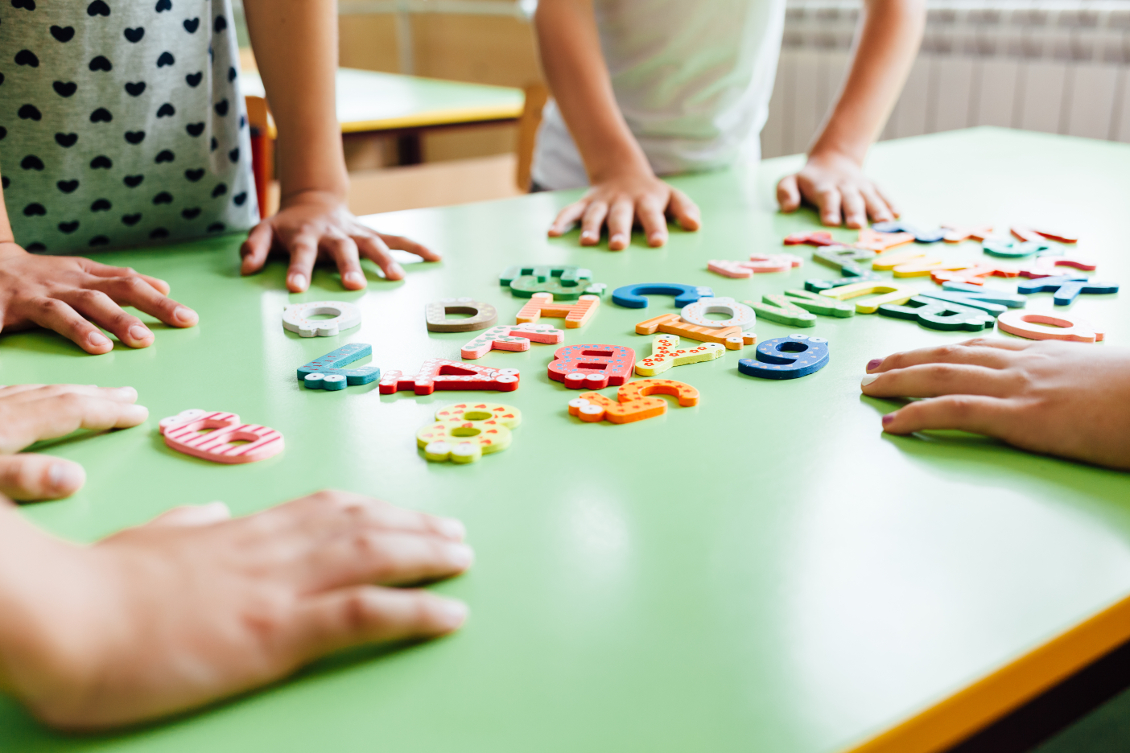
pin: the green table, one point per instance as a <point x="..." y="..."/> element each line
<point x="766" y="571"/>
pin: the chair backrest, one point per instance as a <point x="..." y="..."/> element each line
<point x="536" y="96"/>
<point x="262" y="148"/>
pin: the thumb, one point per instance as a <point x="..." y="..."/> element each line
<point x="788" y="195"/>
<point x="35" y="477"/>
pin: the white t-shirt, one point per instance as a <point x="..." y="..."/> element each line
<point x="692" y="78"/>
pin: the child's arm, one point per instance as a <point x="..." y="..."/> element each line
<point x="889" y="34"/>
<point x="75" y="296"/>
<point x="295" y="45"/>
<point x="1056" y="398"/>
<point x="33" y="412"/>
<point x="193" y="607"/>
<point x="624" y="186"/>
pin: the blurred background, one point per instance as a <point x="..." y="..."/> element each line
<point x="1053" y="66"/>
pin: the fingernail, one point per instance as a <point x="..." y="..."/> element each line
<point x="98" y="340"/>
<point x="451" y="613"/>
<point x="451" y="528"/>
<point x="129" y="393"/>
<point x="184" y="315"/>
<point x="65" y="476"/>
<point x="887" y="419"/>
<point x="460" y="555"/>
<point x="137" y="332"/>
<point x="134" y="414"/>
<point x="355" y="278"/>
<point x="618" y="238"/>
<point x="874" y="363"/>
<point x="655" y="238"/>
<point x="588" y="236"/>
<point x="868" y="380"/>
<point x="298" y="281"/>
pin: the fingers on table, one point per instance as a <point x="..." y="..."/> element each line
<point x="591" y="222"/>
<point x="620" y="224"/>
<point x="359" y="615"/>
<point x="337" y="513"/>
<point x="343" y="250"/>
<point x="788" y="194"/>
<point x="107" y="314"/>
<point x="255" y="249"/>
<point x="387" y="558"/>
<point x="20" y="393"/>
<point x="684" y="210"/>
<point x="411" y="246"/>
<point x="935" y="379"/>
<point x="827" y="200"/>
<point x="54" y="314"/>
<point x="855" y="209"/>
<point x="877" y="207"/>
<point x="192" y="515"/>
<point x="567" y="217"/>
<point x="653" y="220"/>
<point x="979" y="414"/>
<point x="303" y="249"/>
<point x="103" y="270"/>
<point x="28" y="478"/>
<point x="372" y="247"/>
<point x="988" y="352"/>
<point x="137" y="292"/>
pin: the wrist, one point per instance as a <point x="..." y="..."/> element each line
<point x="324" y="197"/>
<point x="828" y="148"/>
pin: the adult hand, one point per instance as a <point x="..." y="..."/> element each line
<point x="1056" y="398"/>
<point x="622" y="200"/>
<point x="194" y="607"/>
<point x="835" y="184"/>
<point x="315" y="225"/>
<point x="71" y="295"/>
<point x="32" y="412"/>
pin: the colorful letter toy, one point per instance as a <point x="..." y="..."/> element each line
<point x="665" y="353"/>
<point x="989" y="302"/>
<point x="632" y="402"/>
<point x="732" y="337"/>
<point x="888" y="261"/>
<point x="1045" y="266"/>
<point x="816" y="238"/>
<point x="632" y="296"/>
<point x="817" y="286"/>
<point x="327" y="372"/>
<point x="566" y="282"/>
<point x="880" y="242"/>
<point x="844" y="259"/>
<point x="780" y="308"/>
<point x="889" y="294"/>
<point x="219" y="437"/>
<point x="1026" y="234"/>
<point x="789" y="357"/>
<point x="296" y="318"/>
<point x="464" y="432"/>
<point x="920" y="235"/>
<point x="939" y="314"/>
<point x="815" y="303"/>
<point x="1010" y="250"/>
<point x="959" y="233"/>
<point x="1033" y="326"/>
<point x="737" y="314"/>
<point x="512" y="337"/>
<point x="441" y="374"/>
<point x="987" y="295"/>
<point x="1066" y="289"/>
<point x="973" y="275"/>
<point x="758" y="263"/>
<point x="592" y="367"/>
<point x="574" y="314"/>
<point x="482" y="315"/>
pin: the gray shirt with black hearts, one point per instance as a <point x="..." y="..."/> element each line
<point x="121" y="123"/>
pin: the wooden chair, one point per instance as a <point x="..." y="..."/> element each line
<point x="536" y="96"/>
<point x="262" y="149"/>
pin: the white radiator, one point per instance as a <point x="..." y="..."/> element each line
<point x="1057" y="67"/>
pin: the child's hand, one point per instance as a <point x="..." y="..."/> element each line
<point x="194" y="607"/>
<point x="314" y="225"/>
<point x="31" y="412"/>
<point x="620" y="200"/>
<point x="64" y="292"/>
<point x="1057" y="398"/>
<point x="834" y="183"/>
